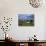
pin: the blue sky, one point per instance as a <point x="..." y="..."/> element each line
<point x="26" y="16"/>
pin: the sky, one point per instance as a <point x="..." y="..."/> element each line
<point x="26" y="16"/>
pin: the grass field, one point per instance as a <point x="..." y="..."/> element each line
<point x="26" y="23"/>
